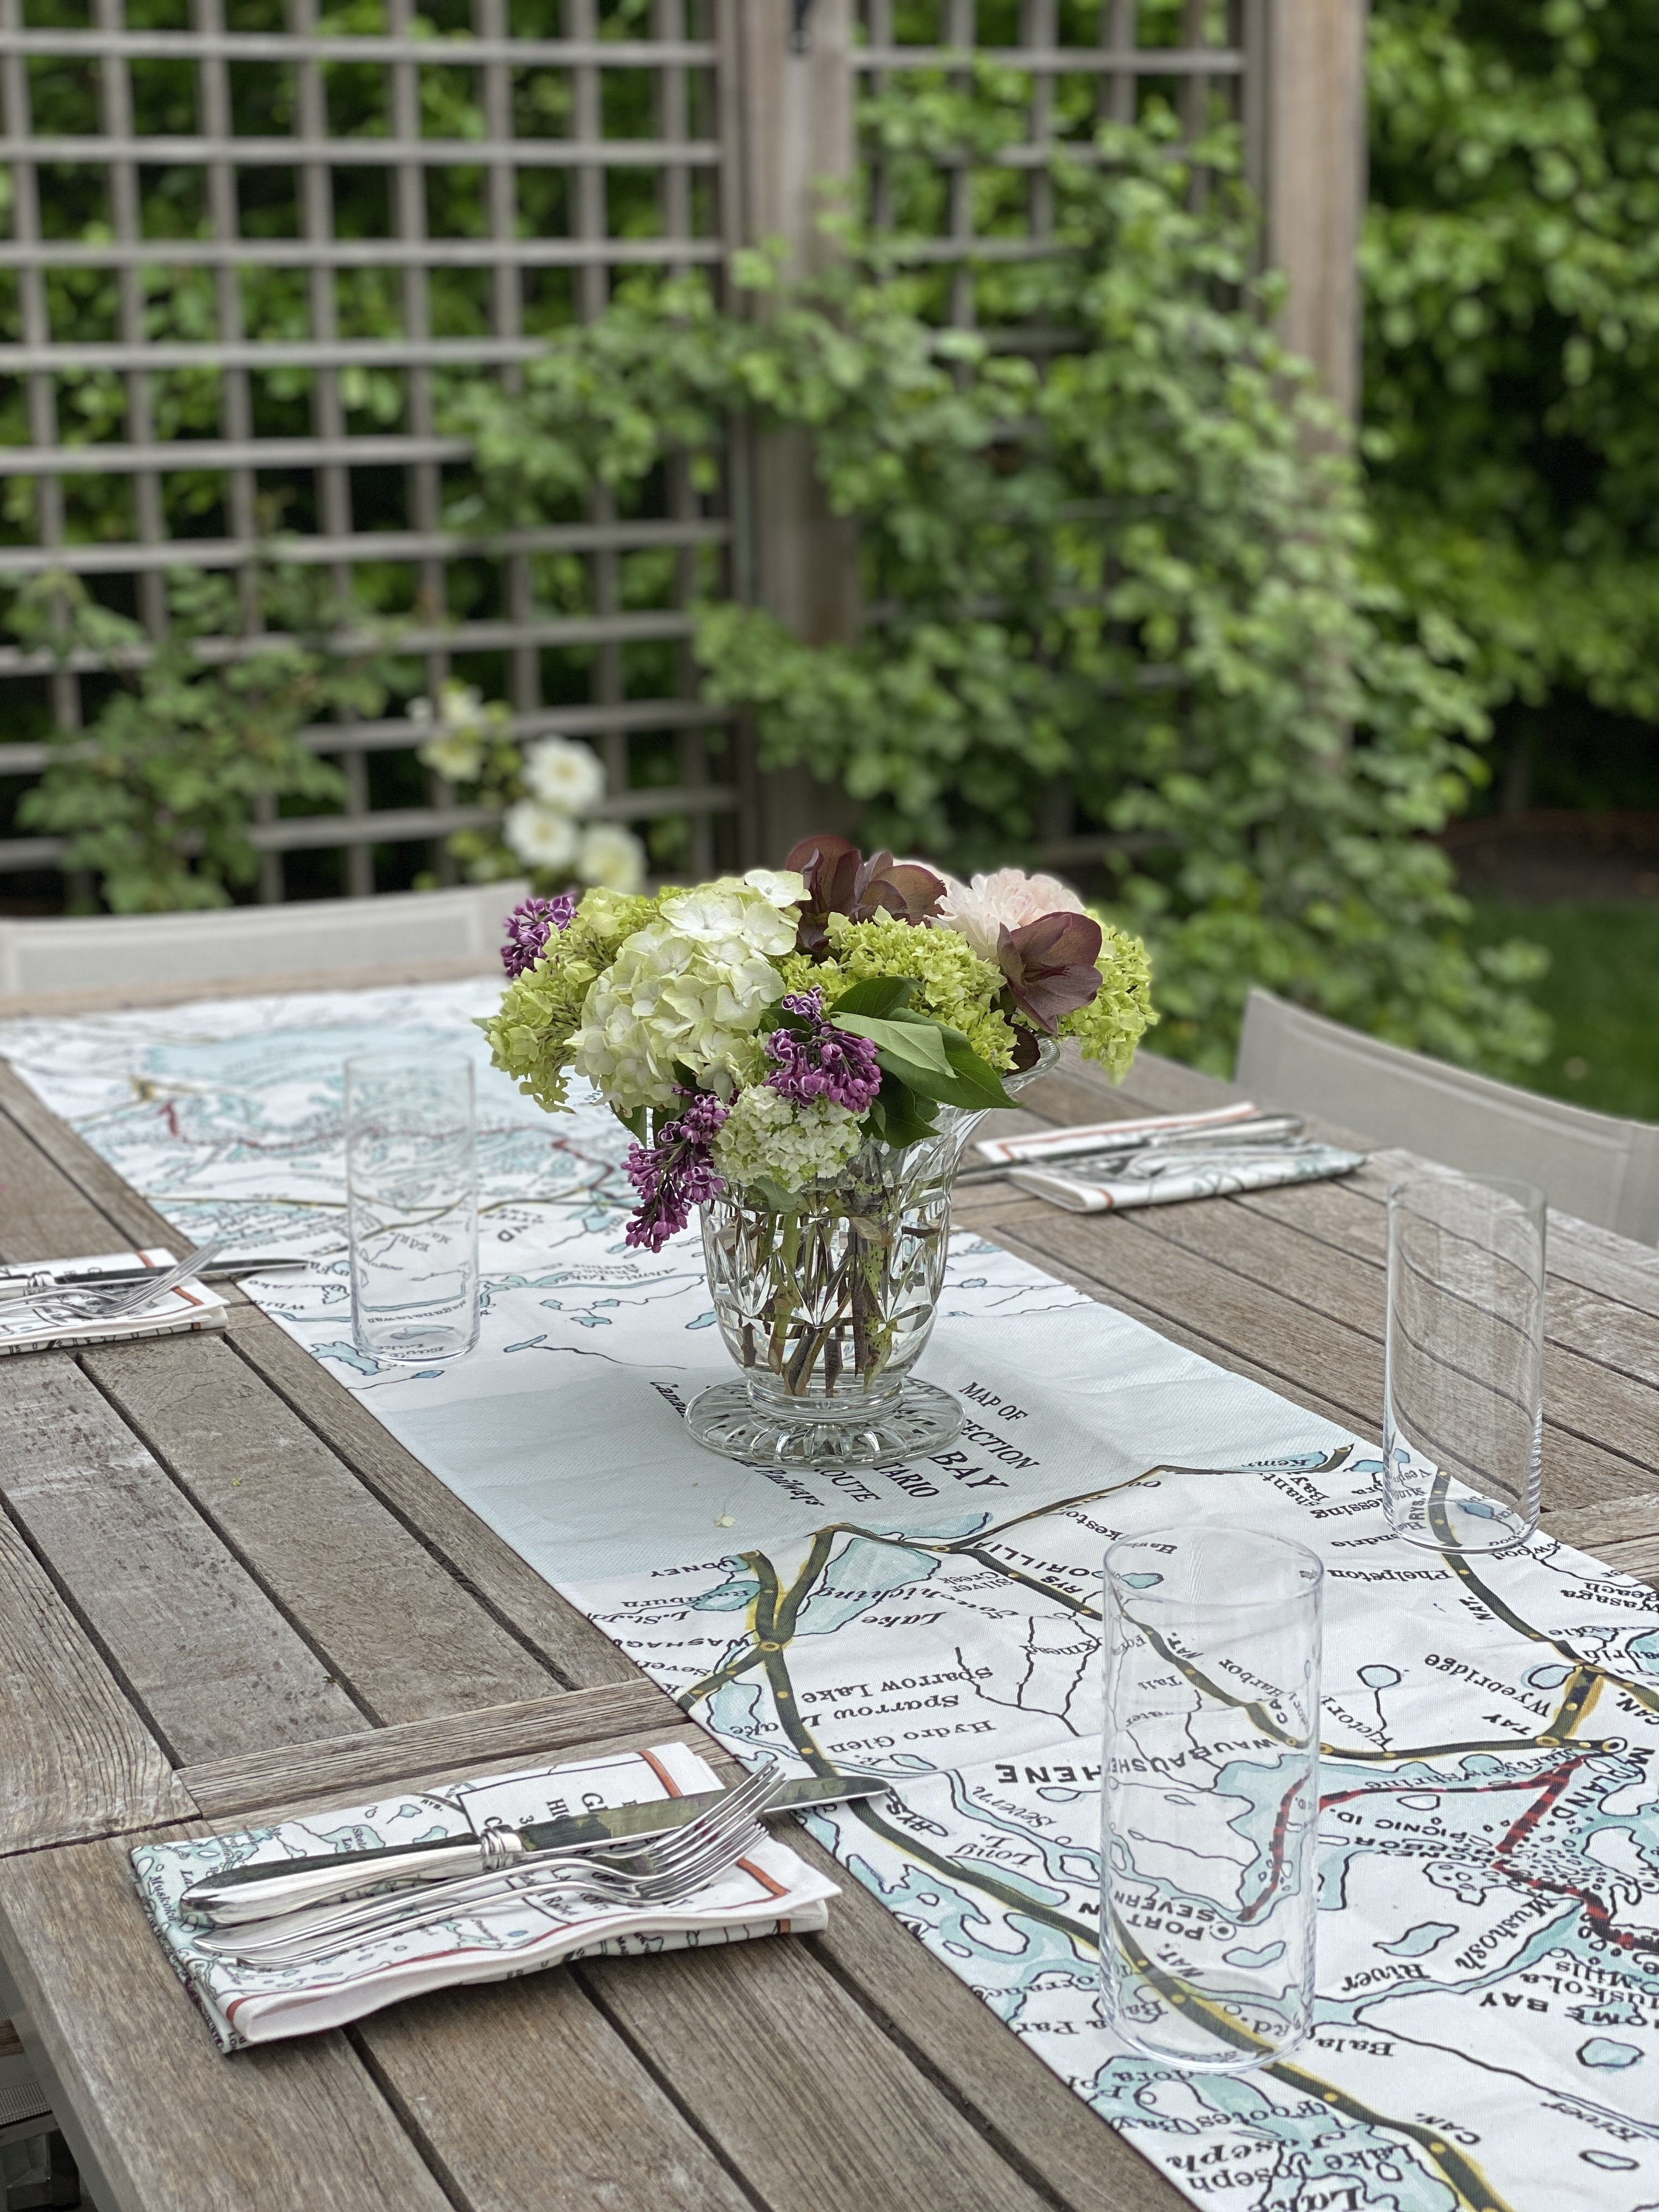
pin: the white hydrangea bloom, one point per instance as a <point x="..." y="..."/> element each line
<point x="768" y="1137"/>
<point x="980" y="911"/>
<point x="690" y="986"/>
<point x="613" y="856"/>
<point x="783" y="886"/>
<point x="561" y="773"/>
<point x="541" y="836"/>
<point x="733" y="916"/>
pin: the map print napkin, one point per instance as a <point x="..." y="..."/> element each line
<point x="192" y="1306"/>
<point x="1487" y="2033"/>
<point x="771" y="1892"/>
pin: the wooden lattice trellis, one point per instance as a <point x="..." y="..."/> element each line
<point x="602" y="134"/>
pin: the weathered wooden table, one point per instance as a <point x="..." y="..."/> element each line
<point x="226" y="1592"/>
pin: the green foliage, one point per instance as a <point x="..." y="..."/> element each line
<point x="1602" y="994"/>
<point x="1139" y="568"/>
<point x="1512" y="335"/>
<point x="156" y="796"/>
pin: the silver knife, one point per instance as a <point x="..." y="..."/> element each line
<point x="257" y="1893"/>
<point x="225" y="1271"/>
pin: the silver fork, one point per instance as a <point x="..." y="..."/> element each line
<point x="86" y="1302"/>
<point x="484" y="1893"/>
<point x="655" y="1869"/>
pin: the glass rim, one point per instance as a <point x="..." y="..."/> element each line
<point x="455" y="1055"/>
<point x="1435" y="1177"/>
<point x="1236" y="1600"/>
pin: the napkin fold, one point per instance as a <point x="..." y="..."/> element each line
<point x="192" y="1305"/>
<point x="771" y="1892"/>
<point x="1162" y="1181"/>
<point x="1097" y="1167"/>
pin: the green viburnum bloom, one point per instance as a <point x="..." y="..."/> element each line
<point x="953" y="984"/>
<point x="769" y="1139"/>
<point x="1121" y="1012"/>
<point x="530" y="1037"/>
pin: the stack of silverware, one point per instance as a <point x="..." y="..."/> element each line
<point x="119" y="1294"/>
<point x="275" y="1936"/>
<point x="1109" y="1166"/>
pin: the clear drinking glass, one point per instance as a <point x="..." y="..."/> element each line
<point x="412" y="1204"/>
<point x="1210" y="1795"/>
<point x="1463" y="1393"/>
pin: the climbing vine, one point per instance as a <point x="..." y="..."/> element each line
<point x="1137" y="565"/>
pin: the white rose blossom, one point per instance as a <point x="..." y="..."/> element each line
<point x="458" y="724"/>
<point x="541" y="836"/>
<point x="1010" y="899"/>
<point x="562" y="773"/>
<point x="611" y="855"/>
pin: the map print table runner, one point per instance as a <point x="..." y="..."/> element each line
<point x="1488" y="2015"/>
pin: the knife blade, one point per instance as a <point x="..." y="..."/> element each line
<point x="225" y="1271"/>
<point x="257" y="1893"/>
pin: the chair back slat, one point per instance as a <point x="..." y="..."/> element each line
<point x="1601" y="1168"/>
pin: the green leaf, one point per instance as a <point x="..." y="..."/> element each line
<point x="913" y="1051"/>
<point x="876" y="994"/>
<point x="976" y="1073"/>
<point x="899" y="1116"/>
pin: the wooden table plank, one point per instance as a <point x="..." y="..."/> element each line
<point x="797" y="2087"/>
<point x="388" y="1619"/>
<point x="65" y="1200"/>
<point x="173" y="2126"/>
<point x="77" y="1761"/>
<point x="532" y="1730"/>
<point x="1349" y="1218"/>
<point x="575" y="1651"/>
<point x="42" y="1216"/>
<point x="603" y="2136"/>
<point x="1590" y="1415"/>
<point x="200" y="1649"/>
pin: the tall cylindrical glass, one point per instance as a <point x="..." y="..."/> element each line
<point x="1210" y="1795"/>
<point x="412" y="1204"/>
<point x="1463" y="1390"/>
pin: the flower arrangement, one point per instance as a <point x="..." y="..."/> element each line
<point x="800" y="1053"/>
<point x="544" y="791"/>
<point x="755" y="1033"/>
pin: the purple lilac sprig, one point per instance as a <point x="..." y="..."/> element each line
<point x="530" y="925"/>
<point x="675" y="1174"/>
<point x="826" y="1064"/>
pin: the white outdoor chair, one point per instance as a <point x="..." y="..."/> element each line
<point x="112" y="953"/>
<point x="1602" y="1170"/>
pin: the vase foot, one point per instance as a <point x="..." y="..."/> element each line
<point x="921" y="1419"/>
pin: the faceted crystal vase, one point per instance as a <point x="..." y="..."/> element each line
<point x="827" y="1307"/>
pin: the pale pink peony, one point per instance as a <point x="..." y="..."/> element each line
<point x="980" y="911"/>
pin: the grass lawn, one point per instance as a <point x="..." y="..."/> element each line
<point x="1602" y="994"/>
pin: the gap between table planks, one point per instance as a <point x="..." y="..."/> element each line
<point x="947" y="2036"/>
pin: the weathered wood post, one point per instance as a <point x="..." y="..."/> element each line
<point x="790" y="92"/>
<point x="1306" y="115"/>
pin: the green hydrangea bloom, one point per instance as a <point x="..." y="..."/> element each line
<point x="530" y="1038"/>
<point x="953" y="984"/>
<point x="1121" y="1012"/>
<point x="766" y="1139"/>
